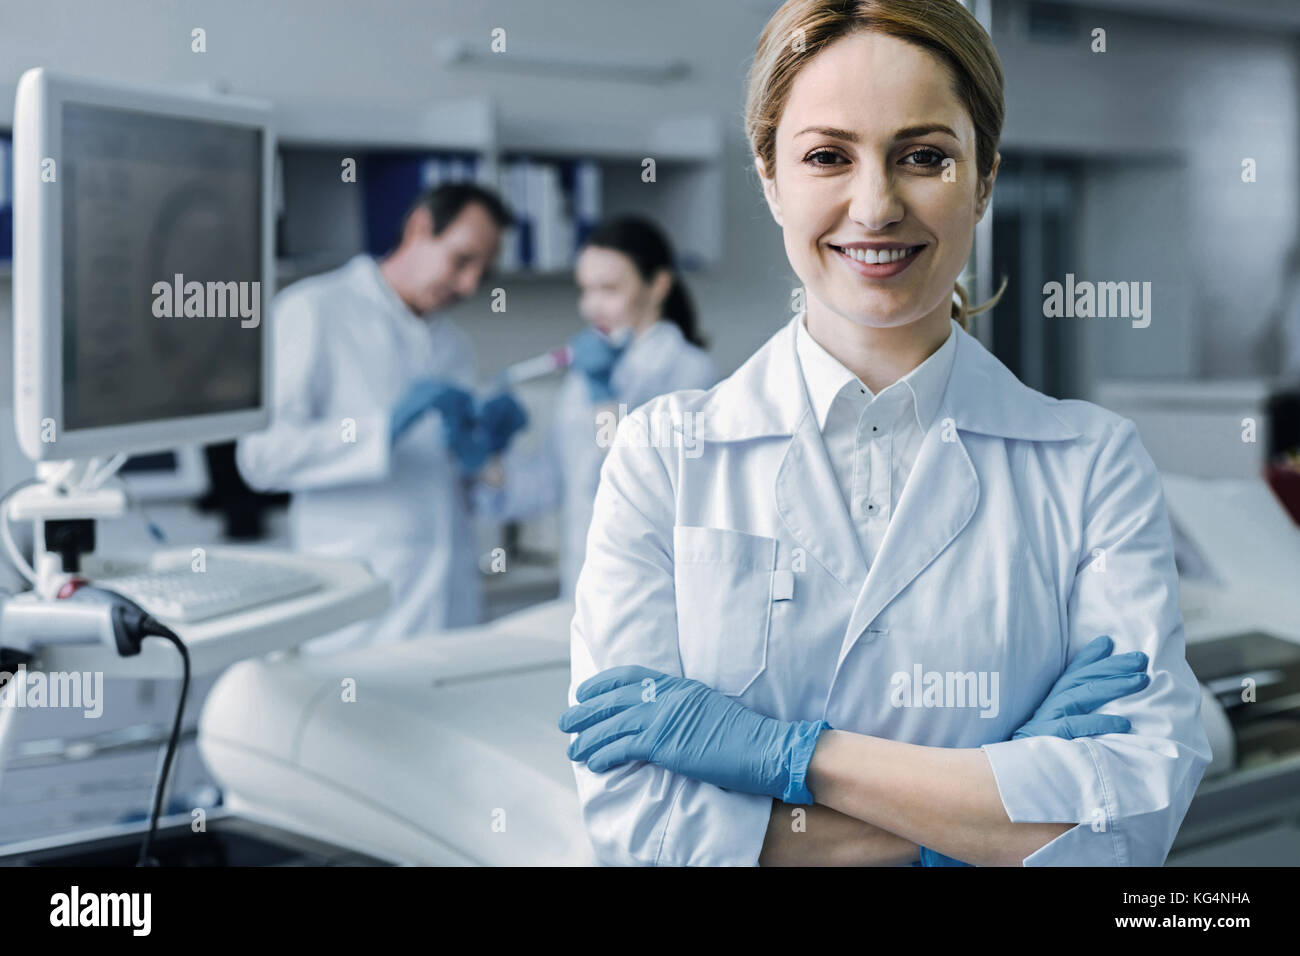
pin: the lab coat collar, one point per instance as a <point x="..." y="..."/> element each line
<point x="366" y="268"/>
<point x="826" y="377"/>
<point x="766" y="397"/>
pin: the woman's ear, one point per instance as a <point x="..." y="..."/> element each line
<point x="661" y="285"/>
<point x="769" y="191"/>
<point x="986" y="188"/>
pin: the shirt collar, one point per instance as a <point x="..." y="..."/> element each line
<point x="826" y="377"/>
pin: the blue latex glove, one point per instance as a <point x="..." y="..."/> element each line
<point x="499" y="419"/>
<point x="1093" y="679"/>
<point x="426" y="394"/>
<point x="595" y="356"/>
<point x="633" y="713"/>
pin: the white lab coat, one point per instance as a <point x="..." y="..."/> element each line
<point x="1028" y="527"/>
<point x="346" y="348"/>
<point x="564" y="470"/>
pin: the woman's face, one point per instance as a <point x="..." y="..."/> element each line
<point x="874" y="149"/>
<point x="612" y="294"/>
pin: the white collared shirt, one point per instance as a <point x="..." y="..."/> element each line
<point x="872" y="440"/>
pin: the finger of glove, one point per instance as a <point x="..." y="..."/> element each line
<point x="624" y="750"/>
<point x="606" y="732"/>
<point x="615" y="677"/>
<point x="1091" y="725"/>
<point x="1130" y="662"/>
<point x="601" y="707"/>
<point x="1087" y="697"/>
<point x="1097" y="649"/>
<point x="454" y="402"/>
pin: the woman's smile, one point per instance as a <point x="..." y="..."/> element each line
<point x="877" y="260"/>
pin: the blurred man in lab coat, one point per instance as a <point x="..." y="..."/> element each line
<point x="370" y="396"/>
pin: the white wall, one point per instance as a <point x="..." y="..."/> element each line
<point x="1196" y="98"/>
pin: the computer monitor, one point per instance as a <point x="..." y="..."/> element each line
<point x="143" y="267"/>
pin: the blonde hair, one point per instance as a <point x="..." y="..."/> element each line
<point x="800" y="29"/>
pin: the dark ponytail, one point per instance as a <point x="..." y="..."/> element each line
<point x="645" y="244"/>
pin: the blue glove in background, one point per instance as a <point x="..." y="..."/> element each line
<point x="499" y="419"/>
<point x="595" y="357"/>
<point x="634" y="713"/>
<point x="425" y="394"/>
<point x="1093" y="679"/>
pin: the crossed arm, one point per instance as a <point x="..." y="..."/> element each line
<point x="881" y="819"/>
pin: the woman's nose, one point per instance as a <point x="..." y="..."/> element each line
<point x="875" y="203"/>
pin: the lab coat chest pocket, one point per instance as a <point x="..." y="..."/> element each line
<point x="723" y="582"/>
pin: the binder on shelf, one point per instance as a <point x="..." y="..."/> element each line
<point x="391" y="183"/>
<point x="556" y="205"/>
<point x="6" y="199"/>
<point x="586" y="199"/>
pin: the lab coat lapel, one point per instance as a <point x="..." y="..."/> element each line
<point x="767" y="399"/>
<point x="938" y="501"/>
<point x="809" y="501"/>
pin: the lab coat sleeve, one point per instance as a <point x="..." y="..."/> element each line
<point x="301" y="449"/>
<point x="1127" y="793"/>
<point x="626" y="613"/>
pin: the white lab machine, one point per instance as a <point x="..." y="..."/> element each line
<point x="1238" y="554"/>
<point x="441" y="750"/>
<point x="1197" y="428"/>
<point x="142" y="263"/>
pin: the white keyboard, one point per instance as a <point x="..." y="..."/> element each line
<point x="225" y="586"/>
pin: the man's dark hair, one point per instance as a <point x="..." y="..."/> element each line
<point x="445" y="203"/>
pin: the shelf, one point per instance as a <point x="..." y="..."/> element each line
<point x="301" y="267"/>
<point x="694" y="138"/>
<point x="466" y="124"/>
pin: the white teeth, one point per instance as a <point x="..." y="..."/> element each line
<point x="875" y="257"/>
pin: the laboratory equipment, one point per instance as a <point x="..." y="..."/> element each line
<point x="181" y="593"/>
<point x="143" y="227"/>
<point x="555" y="360"/>
<point x="446" y="754"/>
<point x="139" y="279"/>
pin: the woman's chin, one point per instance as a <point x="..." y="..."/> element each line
<point x="885" y="315"/>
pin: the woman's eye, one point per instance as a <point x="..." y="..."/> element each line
<point x="932" y="156"/>
<point x="811" y="158"/>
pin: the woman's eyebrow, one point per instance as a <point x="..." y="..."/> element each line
<point x="906" y="133"/>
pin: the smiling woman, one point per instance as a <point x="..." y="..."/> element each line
<point x="873" y="494"/>
<point x="866" y="130"/>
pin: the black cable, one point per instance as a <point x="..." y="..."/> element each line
<point x="151" y="627"/>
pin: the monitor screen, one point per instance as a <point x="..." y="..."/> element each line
<point x="162" y="267"/>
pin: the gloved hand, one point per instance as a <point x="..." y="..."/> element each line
<point x="1093" y="679"/>
<point x="634" y="713"/>
<point x="499" y="419"/>
<point x="424" y="394"/>
<point x="595" y="356"/>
